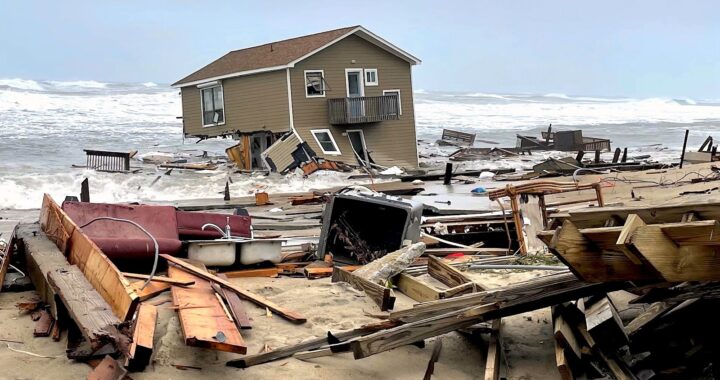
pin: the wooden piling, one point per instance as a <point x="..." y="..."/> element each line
<point x="682" y="155"/>
<point x="85" y="191"/>
<point x="448" y="173"/>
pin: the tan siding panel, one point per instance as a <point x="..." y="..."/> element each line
<point x="390" y="142"/>
<point x="253" y="103"/>
<point x="281" y="152"/>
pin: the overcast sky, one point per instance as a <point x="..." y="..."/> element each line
<point x="612" y="48"/>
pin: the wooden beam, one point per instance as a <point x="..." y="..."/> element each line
<point x="163" y="279"/>
<point x="382" y="296"/>
<point x="492" y="363"/>
<point x="591" y="264"/>
<point x="95" y="266"/>
<point x="151" y="290"/>
<point x="290" y="315"/>
<point x="708" y="210"/>
<point x="263" y="272"/>
<point x="202" y="318"/>
<point x="41" y="256"/>
<point x="564" y="335"/>
<point x="632" y="223"/>
<point x="141" y="347"/>
<point x="415" y="289"/>
<point x="308" y="345"/>
<point x="604" y="324"/>
<point x="92" y="315"/>
<point x="315" y="273"/>
<point x="44" y="324"/>
<point x="562" y="363"/>
<point x="703" y="232"/>
<point x="446" y="274"/>
<point x="653" y="313"/>
<point x="674" y="263"/>
<point x="466" y="288"/>
<point x="235" y="304"/>
<point x="108" y="369"/>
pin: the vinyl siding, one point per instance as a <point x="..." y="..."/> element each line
<point x="253" y="103"/>
<point x="391" y="142"/>
<point x="281" y="152"/>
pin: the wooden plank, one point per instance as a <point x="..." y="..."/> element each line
<point x="141" y="347"/>
<point x="382" y="296"/>
<point x="603" y="323"/>
<point x="492" y="363"/>
<point x="290" y="315"/>
<point x="655" y="311"/>
<point x="151" y="290"/>
<point x="702" y="232"/>
<point x="202" y="318"/>
<point x="415" y="289"/>
<point x="44" y="324"/>
<point x="108" y="369"/>
<point x="562" y="363"/>
<point x="655" y="214"/>
<point x="564" y="335"/>
<point x="95" y="266"/>
<point x="445" y="273"/>
<point x="263" y="272"/>
<point x="437" y="348"/>
<point x="235" y="304"/>
<point x="309" y="344"/>
<point x="315" y="273"/>
<point x="466" y="288"/>
<point x="674" y="263"/>
<point x="164" y="279"/>
<point x="591" y="264"/>
<point x="632" y="223"/>
<point x="92" y="315"/>
<point x="41" y="256"/>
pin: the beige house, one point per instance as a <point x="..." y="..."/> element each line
<point x="346" y="95"/>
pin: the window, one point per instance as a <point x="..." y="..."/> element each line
<point x="326" y="141"/>
<point x="396" y="107"/>
<point x="213" y="106"/>
<point x="371" y="77"/>
<point x="314" y="84"/>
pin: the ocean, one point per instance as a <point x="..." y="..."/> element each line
<point x="45" y="125"/>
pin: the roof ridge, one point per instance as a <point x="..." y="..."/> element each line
<point x="296" y="38"/>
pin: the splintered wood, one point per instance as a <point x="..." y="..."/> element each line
<point x="664" y="243"/>
<point x="92" y="262"/>
<point x="202" y="318"/>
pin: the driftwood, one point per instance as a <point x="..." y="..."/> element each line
<point x="382" y="269"/>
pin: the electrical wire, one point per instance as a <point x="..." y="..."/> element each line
<point x="157" y="247"/>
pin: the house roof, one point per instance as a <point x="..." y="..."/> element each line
<point x="281" y="54"/>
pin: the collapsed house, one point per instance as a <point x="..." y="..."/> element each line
<point x="345" y="95"/>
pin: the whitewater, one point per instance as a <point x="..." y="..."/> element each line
<point x="45" y="125"/>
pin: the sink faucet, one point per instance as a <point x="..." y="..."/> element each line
<point x="225" y="234"/>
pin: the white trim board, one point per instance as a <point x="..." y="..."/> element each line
<point x="377" y="79"/>
<point x="361" y="81"/>
<point x="322" y="83"/>
<point x="202" y="106"/>
<point x="332" y="138"/>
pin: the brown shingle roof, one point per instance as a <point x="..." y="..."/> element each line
<point x="264" y="56"/>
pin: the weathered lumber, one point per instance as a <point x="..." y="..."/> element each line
<point x="468" y="287"/>
<point x="506" y="302"/>
<point x="235" y="304"/>
<point x="263" y="272"/>
<point x="151" y="290"/>
<point x="381" y="295"/>
<point x="382" y="269"/>
<point x="448" y="275"/>
<point x="654" y="214"/>
<point x="108" y="369"/>
<point x="41" y="257"/>
<point x="202" y="318"/>
<point x="44" y="325"/>
<point x="95" y="266"/>
<point x="564" y="335"/>
<point x="290" y="315"/>
<point x="492" y="362"/>
<point x="437" y="348"/>
<point x="655" y="311"/>
<point x="92" y="315"/>
<point x="164" y="279"/>
<point x="305" y="355"/>
<point x="562" y="363"/>
<point x="604" y="324"/>
<point x="415" y="289"/>
<point x="315" y="273"/>
<point x="311" y="344"/>
<point x="141" y="347"/>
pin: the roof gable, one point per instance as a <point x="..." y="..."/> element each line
<point x="281" y="54"/>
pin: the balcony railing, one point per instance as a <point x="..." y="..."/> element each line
<point x="363" y="109"/>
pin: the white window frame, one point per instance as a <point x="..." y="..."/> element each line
<point x="361" y="84"/>
<point x="202" y="105"/>
<point x="399" y="99"/>
<point x="322" y="83"/>
<point x="377" y="79"/>
<point x="336" y="152"/>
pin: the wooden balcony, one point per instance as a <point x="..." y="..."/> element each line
<point x="363" y="109"/>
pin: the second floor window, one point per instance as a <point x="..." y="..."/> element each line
<point x="314" y="83"/>
<point x="213" y="107"/>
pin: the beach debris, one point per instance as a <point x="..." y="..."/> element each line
<point x="455" y="138"/>
<point x="108" y="161"/>
<point x="387" y="266"/>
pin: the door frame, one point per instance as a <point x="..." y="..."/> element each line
<point x="362" y="138"/>
<point x="361" y="81"/>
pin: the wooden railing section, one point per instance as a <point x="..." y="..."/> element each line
<point x="363" y="109"/>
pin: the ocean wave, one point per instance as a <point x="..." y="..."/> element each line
<point x="78" y="84"/>
<point x="150" y="84"/>
<point x="21" y="84"/>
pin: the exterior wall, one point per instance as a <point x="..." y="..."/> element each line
<point x="391" y="142"/>
<point x="253" y="103"/>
